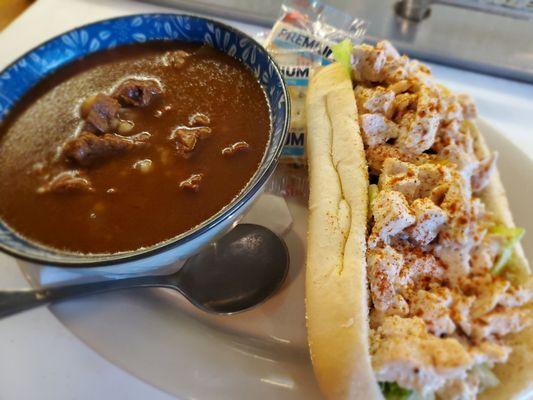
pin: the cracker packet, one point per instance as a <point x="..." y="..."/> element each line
<point x="300" y="41"/>
<point x="296" y="66"/>
<point x="314" y="26"/>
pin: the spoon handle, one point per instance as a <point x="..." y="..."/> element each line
<point x="15" y="301"/>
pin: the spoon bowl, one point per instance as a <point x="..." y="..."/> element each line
<point x="239" y="271"/>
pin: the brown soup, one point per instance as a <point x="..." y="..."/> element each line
<point x="129" y="147"/>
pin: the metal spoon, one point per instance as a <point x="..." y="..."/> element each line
<point x="239" y="271"/>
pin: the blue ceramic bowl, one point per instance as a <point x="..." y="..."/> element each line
<point x="29" y="69"/>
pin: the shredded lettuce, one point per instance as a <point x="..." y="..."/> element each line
<point x="392" y="391"/>
<point x="372" y="194"/>
<point x="486" y="377"/>
<point x="511" y="237"/>
<point x="342" y="52"/>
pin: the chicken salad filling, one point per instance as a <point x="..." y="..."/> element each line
<point x="436" y="257"/>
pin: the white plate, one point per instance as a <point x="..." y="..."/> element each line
<point x="261" y="354"/>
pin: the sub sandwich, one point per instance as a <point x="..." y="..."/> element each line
<point x="416" y="283"/>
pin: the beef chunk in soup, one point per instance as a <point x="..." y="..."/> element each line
<point x="198" y="119"/>
<point x="186" y="138"/>
<point x="235" y="148"/>
<point x="137" y="92"/>
<point x="101" y="111"/>
<point x="192" y="182"/>
<point x="88" y="148"/>
<point x="67" y="181"/>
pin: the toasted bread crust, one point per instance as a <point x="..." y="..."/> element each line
<point x="336" y="295"/>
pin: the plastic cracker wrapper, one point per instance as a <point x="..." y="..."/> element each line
<point x="296" y="66"/>
<point x="314" y="26"/>
<point x="301" y="40"/>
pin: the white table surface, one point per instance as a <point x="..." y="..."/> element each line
<point x="39" y="357"/>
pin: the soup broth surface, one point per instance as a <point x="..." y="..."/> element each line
<point x="113" y="198"/>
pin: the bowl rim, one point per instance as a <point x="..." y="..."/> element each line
<point x="87" y="260"/>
